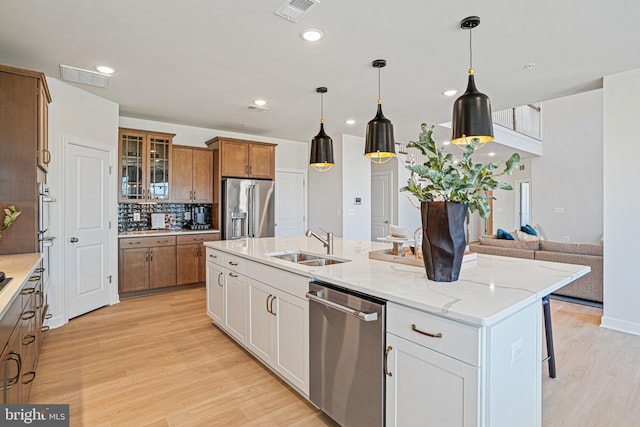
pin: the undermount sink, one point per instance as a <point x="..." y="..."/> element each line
<point x="306" y="258"/>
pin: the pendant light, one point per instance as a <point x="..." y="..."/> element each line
<point x="472" y="110"/>
<point x="321" y="144"/>
<point x="379" y="142"/>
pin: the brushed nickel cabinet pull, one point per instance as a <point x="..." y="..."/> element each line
<point x="219" y="276"/>
<point x="134" y="243"/>
<point x="34" y="278"/>
<point x="271" y="306"/>
<point x="48" y="316"/>
<point x="195" y="197"/>
<point x="198" y="239"/>
<point x="233" y="263"/>
<point x="29" y="314"/>
<point x="386" y="358"/>
<point x="39" y="270"/>
<point x="45" y="329"/>
<point x="270" y="296"/>
<point x="213" y="256"/>
<point x="27" y="291"/>
<point x="233" y="275"/>
<point x="33" y="377"/>
<point x="436" y="335"/>
<point x="41" y="295"/>
<point x="190" y="195"/>
<point x="12" y="381"/>
<point x="28" y="339"/>
<point x="151" y="255"/>
<point x="162" y="241"/>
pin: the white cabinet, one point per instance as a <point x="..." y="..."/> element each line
<point x="264" y="309"/>
<point x="428" y="380"/>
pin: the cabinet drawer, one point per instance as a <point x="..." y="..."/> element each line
<point x="457" y="340"/>
<point x="190" y="239"/>
<point x="235" y="263"/>
<point x="147" y="242"/>
<point x="284" y="281"/>
<point x="215" y="257"/>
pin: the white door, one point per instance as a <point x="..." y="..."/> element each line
<point x="380" y="204"/>
<point x="290" y="204"/>
<point x="86" y="229"/>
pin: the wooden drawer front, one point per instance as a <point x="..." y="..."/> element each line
<point x="234" y="263"/>
<point x="191" y="239"/>
<point x="457" y="340"/>
<point x="10" y="319"/>
<point x="215" y="257"/>
<point x="284" y="281"/>
<point x="147" y="242"/>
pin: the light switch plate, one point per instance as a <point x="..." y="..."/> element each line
<point x="136" y="216"/>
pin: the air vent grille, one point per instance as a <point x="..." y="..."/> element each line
<point x="85" y="77"/>
<point x="257" y="108"/>
<point x="293" y="10"/>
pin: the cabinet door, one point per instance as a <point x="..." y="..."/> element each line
<point x="215" y="293"/>
<point x="159" y="152"/>
<point x="188" y="264"/>
<point x="202" y="176"/>
<point x="43" y="154"/>
<point x="202" y="263"/>
<point x="261" y="333"/>
<point x="262" y="161"/>
<point x="134" y="269"/>
<point x="291" y="357"/>
<point x="132" y="166"/>
<point x="162" y="266"/>
<point x="234" y="160"/>
<point x="428" y="388"/>
<point x="235" y="306"/>
<point x="181" y="189"/>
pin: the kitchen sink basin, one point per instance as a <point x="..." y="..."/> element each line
<point x="306" y="258"/>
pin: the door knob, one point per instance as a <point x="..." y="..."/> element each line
<point x="73" y="240"/>
<point x="386" y="222"/>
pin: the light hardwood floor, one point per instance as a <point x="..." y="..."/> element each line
<point x="159" y="361"/>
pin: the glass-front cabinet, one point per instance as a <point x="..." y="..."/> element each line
<point x="144" y="166"/>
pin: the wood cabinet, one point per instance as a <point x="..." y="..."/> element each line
<point x="24" y="99"/>
<point x="191" y="261"/>
<point x="147" y="263"/>
<point x="192" y="174"/>
<point x="264" y="309"/>
<point x="144" y="165"/>
<point x="239" y="158"/>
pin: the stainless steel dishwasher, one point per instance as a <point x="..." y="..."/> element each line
<point x="346" y="354"/>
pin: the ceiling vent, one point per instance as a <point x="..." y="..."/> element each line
<point x="257" y="108"/>
<point x="293" y="10"/>
<point x="85" y="77"/>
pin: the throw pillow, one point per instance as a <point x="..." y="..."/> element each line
<point x="527" y="237"/>
<point x="504" y="234"/>
<point x="529" y="230"/>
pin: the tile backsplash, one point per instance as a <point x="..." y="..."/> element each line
<point x="126" y="213"/>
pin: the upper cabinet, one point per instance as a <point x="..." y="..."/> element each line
<point x="245" y="159"/>
<point x="24" y="158"/>
<point x="192" y="176"/>
<point x="144" y="166"/>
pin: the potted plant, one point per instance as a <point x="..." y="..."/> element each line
<point x="446" y="190"/>
<point x="11" y="214"/>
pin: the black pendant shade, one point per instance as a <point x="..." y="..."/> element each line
<point x="321" y="158"/>
<point x="321" y="151"/>
<point x="472" y="116"/>
<point x="379" y="142"/>
<point x="472" y="110"/>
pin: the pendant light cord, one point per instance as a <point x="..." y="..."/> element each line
<point x="379" y="92"/>
<point x="470" y="49"/>
<point x="322" y="108"/>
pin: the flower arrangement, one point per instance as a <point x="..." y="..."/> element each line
<point x="11" y="214"/>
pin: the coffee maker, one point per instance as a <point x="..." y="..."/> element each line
<point x="200" y="218"/>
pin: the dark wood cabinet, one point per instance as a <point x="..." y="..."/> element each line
<point x="147" y="263"/>
<point x="192" y="174"/>
<point x="24" y="99"/>
<point x="191" y="257"/>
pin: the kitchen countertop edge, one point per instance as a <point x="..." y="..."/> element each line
<point x="20" y="267"/>
<point x="147" y="233"/>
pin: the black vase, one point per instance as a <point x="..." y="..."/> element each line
<point x="443" y="240"/>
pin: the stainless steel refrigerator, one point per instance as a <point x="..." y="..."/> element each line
<point x="247" y="208"/>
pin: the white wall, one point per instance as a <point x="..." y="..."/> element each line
<point x="621" y="204"/>
<point x="505" y="206"/>
<point x="356" y="182"/>
<point x="290" y="155"/>
<point x="325" y="193"/>
<point x="569" y="175"/>
<point x="77" y="114"/>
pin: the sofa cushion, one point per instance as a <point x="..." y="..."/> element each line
<point x="526" y="236"/>
<point x="512" y="244"/>
<point x="497" y="250"/>
<point x="529" y="230"/>
<point x="504" y="235"/>
<point x="571" y="248"/>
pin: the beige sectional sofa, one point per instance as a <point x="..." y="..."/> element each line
<point x="588" y="287"/>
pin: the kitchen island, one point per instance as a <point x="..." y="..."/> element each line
<point x="485" y="367"/>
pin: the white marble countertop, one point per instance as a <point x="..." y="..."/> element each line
<point x="20" y="267"/>
<point x="143" y="233"/>
<point x="489" y="289"/>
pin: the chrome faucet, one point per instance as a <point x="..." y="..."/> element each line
<point x="327" y="243"/>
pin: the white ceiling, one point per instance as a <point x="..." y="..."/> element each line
<point x="202" y="62"/>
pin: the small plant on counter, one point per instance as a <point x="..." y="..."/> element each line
<point x="11" y="214"/>
<point x="440" y="179"/>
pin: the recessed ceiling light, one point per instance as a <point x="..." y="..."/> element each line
<point x="449" y="92"/>
<point x="446" y="142"/>
<point x="491" y="154"/>
<point x="260" y="102"/>
<point x="312" y="35"/>
<point x="350" y="121"/>
<point x="105" y="69"/>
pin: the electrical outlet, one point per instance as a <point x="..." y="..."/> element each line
<point x="136" y="216"/>
<point x="566" y="238"/>
<point x="516" y="350"/>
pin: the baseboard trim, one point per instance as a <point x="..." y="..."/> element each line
<point x="620" y="325"/>
<point x="576" y="300"/>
